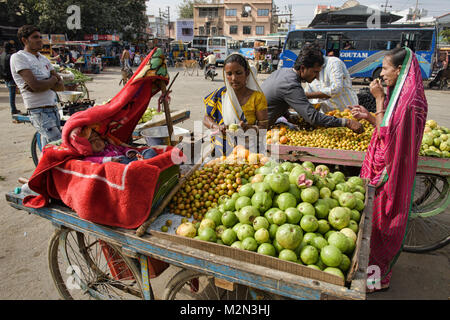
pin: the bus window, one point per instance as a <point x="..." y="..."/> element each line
<point x="425" y="41"/>
<point x="222" y="42"/>
<point x="334" y="43"/>
<point x="409" y="39"/>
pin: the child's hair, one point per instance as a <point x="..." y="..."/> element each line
<point x="238" y="59"/>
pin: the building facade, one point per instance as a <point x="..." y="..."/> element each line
<point x="238" y="19"/>
<point x="185" y="30"/>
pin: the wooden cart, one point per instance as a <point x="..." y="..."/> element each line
<point x="210" y="269"/>
<point x="429" y="227"/>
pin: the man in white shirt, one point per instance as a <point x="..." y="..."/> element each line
<point x="210" y="60"/>
<point x="333" y="89"/>
<point x="37" y="81"/>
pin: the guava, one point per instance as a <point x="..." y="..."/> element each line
<point x="339" y="217"/>
<point x="186" y="229"/>
<point x="247" y="214"/>
<point x="246" y="190"/>
<point x="286" y="200"/>
<point x="339" y="240"/>
<point x="295" y="191"/>
<point x="215" y="215"/>
<point x="249" y="244"/>
<point x="229" y="205"/>
<point x="261" y="201"/>
<point x="349" y="233"/>
<point x="335" y="271"/>
<point x="355" y="215"/>
<point x="207" y="223"/>
<point x="353" y="225"/>
<point x="289" y="236"/>
<point x="219" y="230"/>
<point x="321" y="208"/>
<point x="242" y="202"/>
<point x="324" y="226"/>
<point x="267" y="249"/>
<point x="309" y="223"/>
<point x="359" y="195"/>
<point x="228" y="236"/>
<point x="263" y="187"/>
<point x="237" y="244"/>
<point x="309" y="255"/>
<point x="337" y="177"/>
<point x="293" y="215"/>
<point x="348" y="200"/>
<point x="325" y="192"/>
<point x="273" y="230"/>
<point x="260" y="223"/>
<point x="308" y="237"/>
<point x="319" y="243"/>
<point x="269" y="214"/>
<point x="309" y="165"/>
<point x="207" y="234"/>
<point x="343" y="187"/>
<point x="345" y="263"/>
<point x="356" y="181"/>
<point x="310" y="195"/>
<point x="262" y="236"/>
<point x="288" y="255"/>
<point x="229" y="219"/>
<point x="245" y="231"/>
<point x="331" y="256"/>
<point x="279" y="217"/>
<point x="306" y="208"/>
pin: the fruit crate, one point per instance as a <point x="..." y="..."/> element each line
<point x="329" y="285"/>
<point x="431" y="165"/>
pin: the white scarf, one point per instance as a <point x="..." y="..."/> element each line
<point x="231" y="108"/>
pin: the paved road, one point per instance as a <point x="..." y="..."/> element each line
<point x="23" y="249"/>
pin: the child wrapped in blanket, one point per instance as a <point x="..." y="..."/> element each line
<point x="103" y="151"/>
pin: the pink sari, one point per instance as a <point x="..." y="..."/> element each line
<point x="391" y="162"/>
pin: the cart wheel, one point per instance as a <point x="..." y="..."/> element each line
<point x="36" y="147"/>
<point x="85" y="91"/>
<point x="429" y="224"/>
<point x="80" y="270"/>
<point x="192" y="285"/>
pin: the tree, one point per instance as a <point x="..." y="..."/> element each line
<point x="117" y="16"/>
<point x="186" y="8"/>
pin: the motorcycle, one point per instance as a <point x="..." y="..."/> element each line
<point x="210" y="72"/>
<point x="439" y="78"/>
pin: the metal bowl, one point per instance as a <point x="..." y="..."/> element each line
<point x="69" y="96"/>
<point x="160" y="136"/>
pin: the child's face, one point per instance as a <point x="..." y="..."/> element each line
<point x="96" y="141"/>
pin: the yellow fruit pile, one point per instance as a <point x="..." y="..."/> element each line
<point x="219" y="177"/>
<point x="331" y="138"/>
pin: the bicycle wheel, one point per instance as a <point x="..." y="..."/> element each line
<point x="80" y="269"/>
<point x="429" y="224"/>
<point x="36" y="148"/>
<point x="192" y="285"/>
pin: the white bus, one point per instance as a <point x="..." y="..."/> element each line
<point x="219" y="46"/>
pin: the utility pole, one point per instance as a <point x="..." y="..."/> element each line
<point x="166" y="14"/>
<point x="386" y="6"/>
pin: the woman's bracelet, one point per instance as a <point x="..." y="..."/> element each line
<point x="381" y="111"/>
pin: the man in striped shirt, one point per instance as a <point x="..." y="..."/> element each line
<point x="333" y="89"/>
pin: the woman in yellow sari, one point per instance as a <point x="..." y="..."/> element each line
<point x="240" y="102"/>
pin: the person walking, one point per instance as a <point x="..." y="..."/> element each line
<point x="5" y="59"/>
<point x="37" y="80"/>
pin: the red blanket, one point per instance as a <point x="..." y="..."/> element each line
<point x="110" y="193"/>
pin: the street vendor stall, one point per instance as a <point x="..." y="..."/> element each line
<point x="428" y="227"/>
<point x="121" y="225"/>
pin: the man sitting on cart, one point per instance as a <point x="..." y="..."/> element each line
<point x="37" y="81"/>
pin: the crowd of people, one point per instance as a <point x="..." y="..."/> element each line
<point x="391" y="159"/>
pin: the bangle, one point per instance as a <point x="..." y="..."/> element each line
<point x="381" y="111"/>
